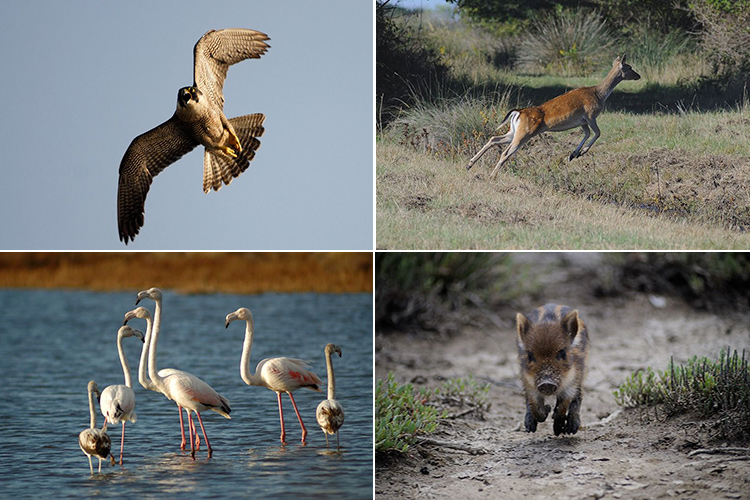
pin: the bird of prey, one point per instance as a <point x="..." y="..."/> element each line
<point x="199" y="119"/>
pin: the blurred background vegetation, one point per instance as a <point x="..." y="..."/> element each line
<point x="190" y="272"/>
<point x="444" y="291"/>
<point x="687" y="50"/>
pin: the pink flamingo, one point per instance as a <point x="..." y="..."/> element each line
<point x="117" y="402"/>
<point x="143" y="313"/>
<point x="278" y="374"/>
<point x="330" y="413"/>
<point x="184" y="388"/>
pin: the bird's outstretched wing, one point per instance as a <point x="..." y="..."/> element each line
<point x="217" y="50"/>
<point x="147" y="155"/>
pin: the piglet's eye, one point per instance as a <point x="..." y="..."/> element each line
<point x="531" y="356"/>
<point x="561" y="355"/>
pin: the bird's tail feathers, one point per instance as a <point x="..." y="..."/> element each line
<point x="219" y="168"/>
<point x="224" y="410"/>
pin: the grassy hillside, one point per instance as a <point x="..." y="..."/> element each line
<point x="428" y="203"/>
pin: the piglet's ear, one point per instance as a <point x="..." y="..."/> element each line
<point x="522" y="324"/>
<point x="572" y="323"/>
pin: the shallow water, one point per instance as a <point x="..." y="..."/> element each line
<point x="54" y="342"/>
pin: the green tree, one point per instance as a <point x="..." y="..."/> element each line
<point x="505" y="10"/>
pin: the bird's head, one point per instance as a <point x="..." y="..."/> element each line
<point x="331" y="348"/>
<point x="126" y="331"/>
<point x="241" y="313"/>
<point x="93" y="388"/>
<point x="138" y="312"/>
<point x="151" y="293"/>
<point x="187" y="94"/>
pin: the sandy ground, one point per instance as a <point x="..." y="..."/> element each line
<point x="616" y="454"/>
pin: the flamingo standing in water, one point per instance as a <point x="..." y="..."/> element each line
<point x="143" y="313"/>
<point x="330" y="413"/>
<point x="95" y="441"/>
<point x="278" y="374"/>
<point x="117" y="402"/>
<point x="184" y="388"/>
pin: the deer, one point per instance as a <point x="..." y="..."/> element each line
<point x="575" y="108"/>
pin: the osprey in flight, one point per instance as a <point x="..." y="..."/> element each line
<point x="199" y="119"/>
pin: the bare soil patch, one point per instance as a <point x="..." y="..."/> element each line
<point x="616" y="454"/>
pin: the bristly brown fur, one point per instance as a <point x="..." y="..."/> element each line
<point x="552" y="349"/>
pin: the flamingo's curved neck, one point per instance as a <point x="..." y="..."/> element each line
<point x="143" y="364"/>
<point x="92" y="412"/>
<point x="153" y="372"/>
<point x="247" y="345"/>
<point x="331" y="379"/>
<point x="124" y="362"/>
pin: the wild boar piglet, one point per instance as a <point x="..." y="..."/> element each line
<point x="552" y="349"/>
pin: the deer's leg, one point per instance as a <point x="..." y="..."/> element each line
<point x="494" y="141"/>
<point x="577" y="152"/>
<point x="518" y="141"/>
<point x="597" y="133"/>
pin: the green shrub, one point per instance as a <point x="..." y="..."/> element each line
<point x="725" y="34"/>
<point x="706" y="280"/>
<point x="571" y="42"/>
<point x="717" y="390"/>
<point x="404" y="64"/>
<point x="466" y="393"/>
<point x="401" y="415"/>
<point x="655" y="54"/>
<point x="451" y="128"/>
<point x="439" y="290"/>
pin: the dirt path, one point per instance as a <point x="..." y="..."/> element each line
<point x="615" y="454"/>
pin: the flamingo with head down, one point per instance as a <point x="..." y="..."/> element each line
<point x="330" y="413"/>
<point x="184" y="388"/>
<point x="278" y="374"/>
<point x="95" y="441"/>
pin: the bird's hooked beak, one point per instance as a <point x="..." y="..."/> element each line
<point x="187" y="94"/>
<point x="230" y="317"/>
<point x="139" y="334"/>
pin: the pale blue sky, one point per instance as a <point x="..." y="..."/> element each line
<point x="81" y="79"/>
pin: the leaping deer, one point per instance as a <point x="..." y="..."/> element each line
<point x="576" y="108"/>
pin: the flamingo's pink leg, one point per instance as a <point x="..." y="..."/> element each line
<point x="122" y="441"/>
<point x="191" y="426"/>
<point x="193" y="431"/>
<point x="208" y="444"/>
<point x="304" y="431"/>
<point x="281" y="418"/>
<point x="182" y="428"/>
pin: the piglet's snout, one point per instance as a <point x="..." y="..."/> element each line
<point x="547" y="387"/>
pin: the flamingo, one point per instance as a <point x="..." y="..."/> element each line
<point x="117" y="402"/>
<point x="278" y="374"/>
<point x="143" y="313"/>
<point x="184" y="388"/>
<point x="95" y="441"/>
<point x="330" y="413"/>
